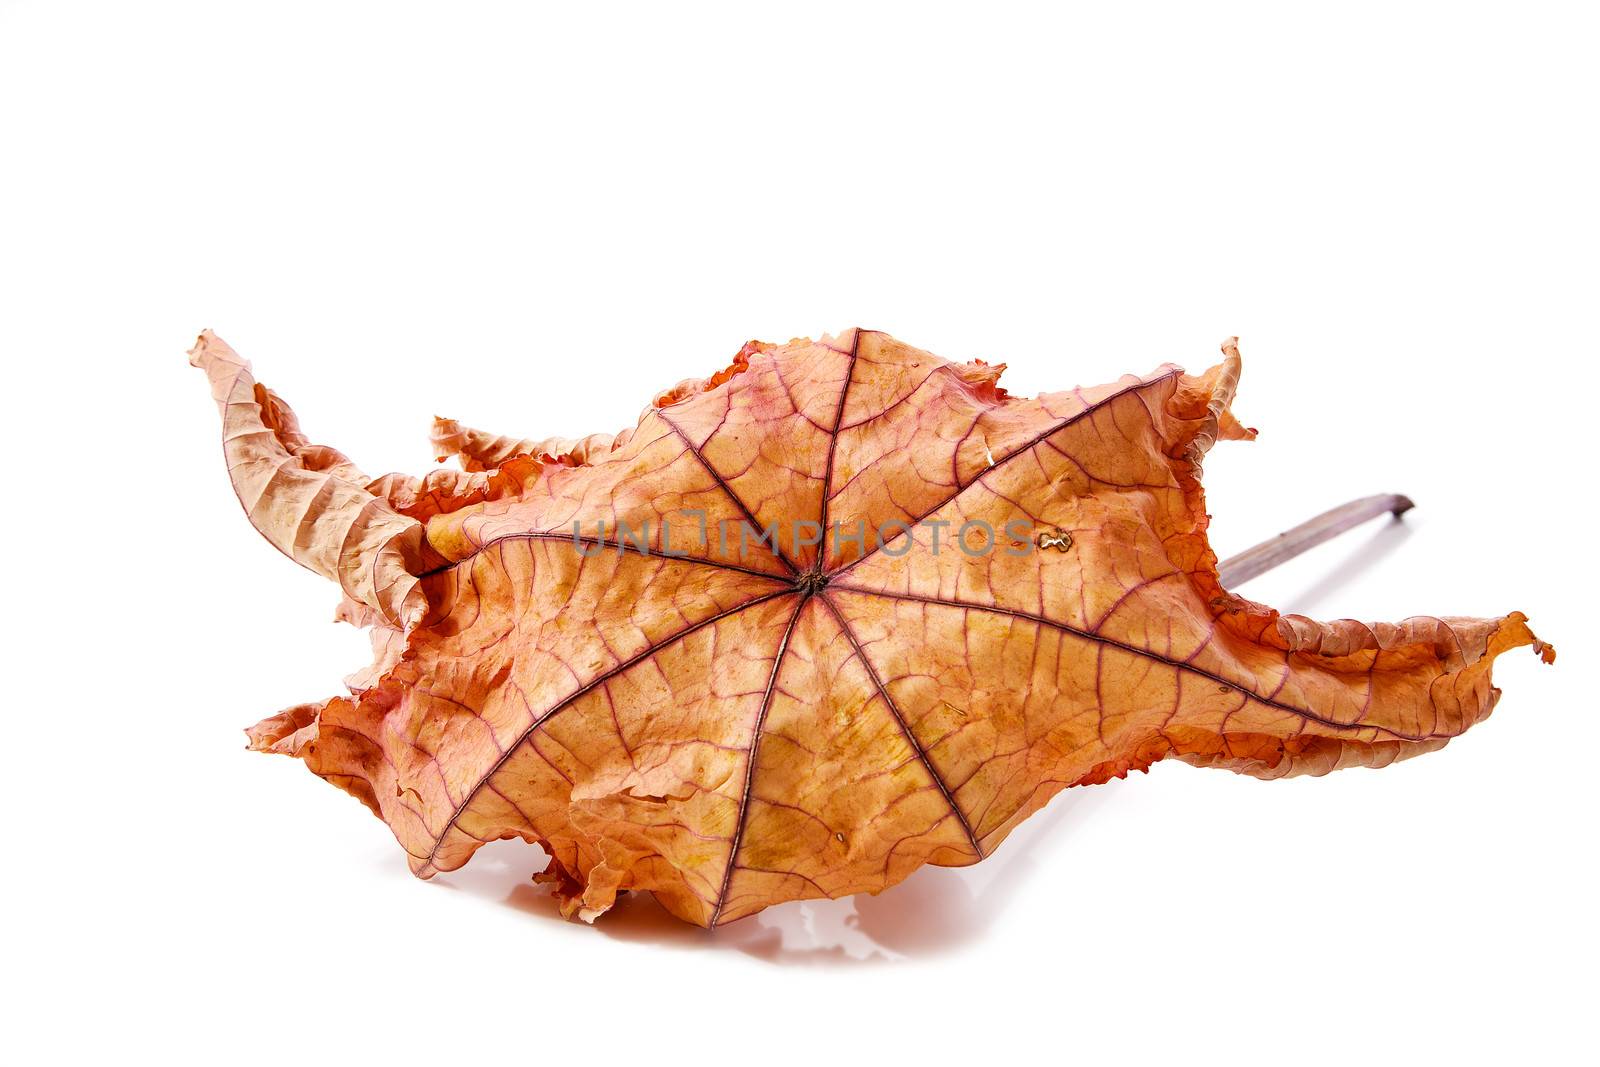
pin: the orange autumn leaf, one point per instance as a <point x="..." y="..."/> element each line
<point x="841" y="610"/>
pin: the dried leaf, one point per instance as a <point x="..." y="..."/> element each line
<point x="585" y="644"/>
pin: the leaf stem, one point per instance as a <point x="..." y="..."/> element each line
<point x="1289" y="544"/>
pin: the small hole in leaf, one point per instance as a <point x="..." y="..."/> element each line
<point x="1055" y="538"/>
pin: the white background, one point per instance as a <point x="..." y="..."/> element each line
<point x="532" y="219"/>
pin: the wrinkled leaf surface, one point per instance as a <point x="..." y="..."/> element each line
<point x="563" y="656"/>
